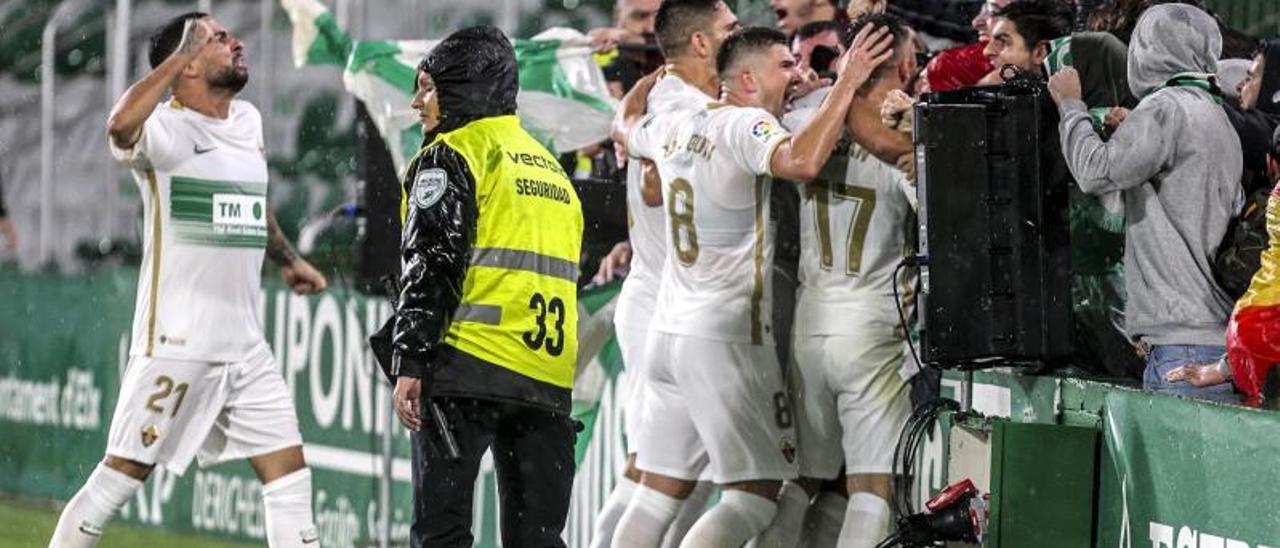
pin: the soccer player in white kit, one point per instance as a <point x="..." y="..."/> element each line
<point x="851" y="393"/>
<point x="201" y="381"/>
<point x="714" y="382"/>
<point x="690" y="33"/>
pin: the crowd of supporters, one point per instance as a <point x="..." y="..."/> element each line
<point x="1168" y="123"/>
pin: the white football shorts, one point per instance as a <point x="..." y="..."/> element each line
<point x="851" y="400"/>
<point x="719" y="404"/>
<point x="172" y="410"/>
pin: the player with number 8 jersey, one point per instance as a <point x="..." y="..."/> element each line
<point x="714" y="382"/>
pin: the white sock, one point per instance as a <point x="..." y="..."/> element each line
<point x="866" y="521"/>
<point x="607" y="519"/>
<point x="646" y="519"/>
<point x="287" y="501"/>
<point x="690" y="511"/>
<point x="822" y="521"/>
<point x="784" y="532"/>
<point x="82" y="520"/>
<point x="737" y="518"/>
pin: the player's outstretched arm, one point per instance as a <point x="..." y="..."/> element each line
<point x="865" y="124"/>
<point x="634" y="105"/>
<point x="131" y="111"/>
<point x="298" y="274"/>
<point x="801" y="157"/>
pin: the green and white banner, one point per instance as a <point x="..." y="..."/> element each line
<point x="64" y="345"/>
<point x="564" y="100"/>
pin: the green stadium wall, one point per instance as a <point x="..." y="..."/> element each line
<point x="64" y="343"/>
<point x="1172" y="473"/>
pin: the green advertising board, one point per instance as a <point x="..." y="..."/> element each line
<point x="1173" y="473"/>
<point x="64" y="343"/>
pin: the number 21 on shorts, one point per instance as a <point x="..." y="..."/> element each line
<point x="166" y="387"/>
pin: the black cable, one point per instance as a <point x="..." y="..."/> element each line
<point x="890" y="541"/>
<point x="918" y="427"/>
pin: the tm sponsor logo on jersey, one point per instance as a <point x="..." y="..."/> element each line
<point x="239" y="214"/>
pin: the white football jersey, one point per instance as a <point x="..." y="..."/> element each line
<point x="203" y="183"/>
<point x="716" y="183"/>
<point x="647" y="225"/>
<point x="855" y="222"/>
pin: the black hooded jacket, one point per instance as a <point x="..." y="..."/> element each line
<point x="475" y="75"/>
<point x="1257" y="126"/>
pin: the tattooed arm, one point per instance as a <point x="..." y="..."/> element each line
<point x="298" y="274"/>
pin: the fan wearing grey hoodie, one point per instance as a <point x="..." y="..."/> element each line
<point x="1177" y="162"/>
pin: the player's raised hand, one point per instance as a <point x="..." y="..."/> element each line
<point x="871" y="46"/>
<point x="196" y="36"/>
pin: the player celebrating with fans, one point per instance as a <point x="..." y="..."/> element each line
<point x="201" y="381"/>
<point x="851" y="395"/>
<point x="725" y="403"/>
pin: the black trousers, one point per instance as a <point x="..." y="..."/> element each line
<point x="533" y="454"/>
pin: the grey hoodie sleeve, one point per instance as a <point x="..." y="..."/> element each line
<point x="1135" y="153"/>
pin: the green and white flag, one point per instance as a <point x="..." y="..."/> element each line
<point x="564" y="100"/>
<point x="1060" y="56"/>
<point x="599" y="359"/>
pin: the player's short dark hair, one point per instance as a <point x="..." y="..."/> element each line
<point x="1038" y="20"/>
<point x="744" y="43"/>
<point x="165" y="39"/>
<point x="897" y="27"/>
<point x="814" y="28"/>
<point x="677" y="20"/>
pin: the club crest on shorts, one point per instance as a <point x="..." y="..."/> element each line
<point x="428" y="187"/>
<point x="149" y="435"/>
<point x="788" y="450"/>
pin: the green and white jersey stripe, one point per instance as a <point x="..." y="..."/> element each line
<point x="218" y="213"/>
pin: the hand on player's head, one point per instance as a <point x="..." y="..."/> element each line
<point x="871" y="46"/>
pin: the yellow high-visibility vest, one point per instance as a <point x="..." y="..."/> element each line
<point x="519" y="307"/>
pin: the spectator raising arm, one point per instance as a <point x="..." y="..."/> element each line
<point x="1133" y="155"/>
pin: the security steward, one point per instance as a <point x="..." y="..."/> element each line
<point x="485" y="331"/>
